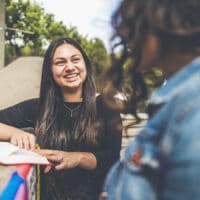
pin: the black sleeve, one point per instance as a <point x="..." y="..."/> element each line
<point x="109" y="151"/>
<point x="21" y="115"/>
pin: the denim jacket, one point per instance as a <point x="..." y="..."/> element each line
<point x="163" y="160"/>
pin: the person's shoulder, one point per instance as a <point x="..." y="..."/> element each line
<point x="100" y="99"/>
<point x="28" y="104"/>
<point x="104" y="98"/>
<point x="107" y="103"/>
<point x="31" y="101"/>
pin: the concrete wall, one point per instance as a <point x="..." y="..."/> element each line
<point x="20" y="80"/>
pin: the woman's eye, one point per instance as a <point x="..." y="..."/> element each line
<point x="75" y="60"/>
<point x="60" y="63"/>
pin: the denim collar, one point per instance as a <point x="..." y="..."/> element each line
<point x="175" y="84"/>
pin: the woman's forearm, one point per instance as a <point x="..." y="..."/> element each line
<point x="88" y="160"/>
<point x="69" y="160"/>
<point x="6" y="132"/>
<point x="17" y="136"/>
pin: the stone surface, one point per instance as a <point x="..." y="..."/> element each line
<point x="20" y="80"/>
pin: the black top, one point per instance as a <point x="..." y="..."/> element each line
<point x="80" y="183"/>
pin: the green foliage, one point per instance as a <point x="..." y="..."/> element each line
<point x="154" y="78"/>
<point x="30" y="30"/>
<point x="100" y="62"/>
<point x="28" y="25"/>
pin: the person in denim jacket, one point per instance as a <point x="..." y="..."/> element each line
<point x="162" y="161"/>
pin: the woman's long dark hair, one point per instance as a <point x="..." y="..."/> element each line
<point x="51" y="129"/>
<point x="177" y="25"/>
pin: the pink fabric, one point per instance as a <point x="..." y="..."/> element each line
<point x="23" y="170"/>
<point x="21" y="193"/>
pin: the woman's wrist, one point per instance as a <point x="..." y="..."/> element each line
<point x="87" y="160"/>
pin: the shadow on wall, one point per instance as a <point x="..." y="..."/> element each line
<point x="20" y="80"/>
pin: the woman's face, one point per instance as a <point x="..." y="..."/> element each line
<point x="68" y="68"/>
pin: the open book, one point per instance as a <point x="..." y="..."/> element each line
<point x="11" y="155"/>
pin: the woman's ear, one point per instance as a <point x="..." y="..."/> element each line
<point x="150" y="52"/>
<point x="153" y="42"/>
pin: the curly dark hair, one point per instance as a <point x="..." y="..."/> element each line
<point x="175" y="23"/>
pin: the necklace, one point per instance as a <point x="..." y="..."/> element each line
<point x="72" y="110"/>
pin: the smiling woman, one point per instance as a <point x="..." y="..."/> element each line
<point x="78" y="133"/>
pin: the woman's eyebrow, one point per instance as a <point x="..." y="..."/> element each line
<point x="59" y="58"/>
<point x="75" y="55"/>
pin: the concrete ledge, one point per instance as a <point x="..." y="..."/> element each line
<point x="20" y="80"/>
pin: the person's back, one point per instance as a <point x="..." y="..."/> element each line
<point x="162" y="162"/>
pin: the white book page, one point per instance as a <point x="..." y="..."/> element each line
<point x="7" y="148"/>
<point x="11" y="154"/>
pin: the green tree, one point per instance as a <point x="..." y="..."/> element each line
<point x="29" y="28"/>
<point x="100" y="58"/>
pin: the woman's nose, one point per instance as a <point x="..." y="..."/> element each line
<point x="69" y="66"/>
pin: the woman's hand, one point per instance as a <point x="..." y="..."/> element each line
<point x="60" y="159"/>
<point x="23" y="140"/>
<point x="67" y="160"/>
<point x="17" y="136"/>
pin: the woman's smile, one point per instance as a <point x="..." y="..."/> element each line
<point x="71" y="77"/>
